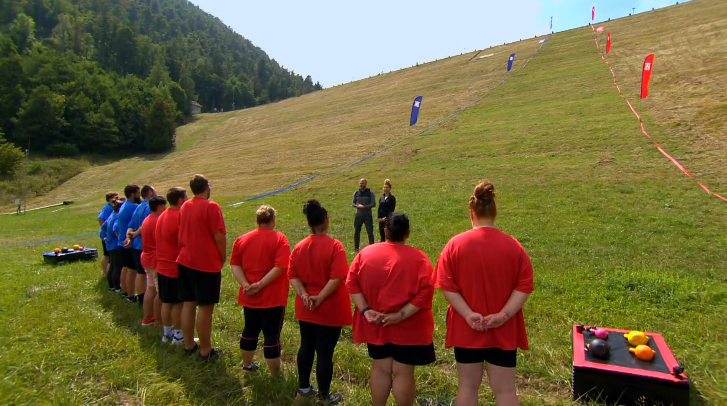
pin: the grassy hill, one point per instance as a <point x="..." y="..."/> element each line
<point x="617" y="234"/>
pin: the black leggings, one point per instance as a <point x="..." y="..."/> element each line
<point x="270" y="322"/>
<point x="321" y="340"/>
<point x="114" y="273"/>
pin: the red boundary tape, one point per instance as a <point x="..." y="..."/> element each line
<point x="643" y="130"/>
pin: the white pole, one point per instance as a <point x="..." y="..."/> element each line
<point x="25" y="183"/>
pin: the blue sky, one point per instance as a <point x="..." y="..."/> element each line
<point x="337" y="41"/>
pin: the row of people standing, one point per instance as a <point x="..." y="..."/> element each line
<point x="484" y="274"/>
<point x="364" y="200"/>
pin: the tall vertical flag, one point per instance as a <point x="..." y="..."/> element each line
<point x="415" y="110"/>
<point x="646" y="75"/>
<point x="510" y="61"/>
<point x="593" y="13"/>
<point x="551" y="23"/>
<point x="608" y="43"/>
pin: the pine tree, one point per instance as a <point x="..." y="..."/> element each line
<point x="160" y="123"/>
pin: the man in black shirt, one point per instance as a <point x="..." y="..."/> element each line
<point x="363" y="200"/>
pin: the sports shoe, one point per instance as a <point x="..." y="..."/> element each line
<point x="167" y="339"/>
<point x="213" y="354"/>
<point x="117" y="290"/>
<point x="251" y="368"/>
<point x="112" y="290"/>
<point x="331" y="399"/>
<point x="148" y="322"/>
<point x="300" y="395"/>
<point x="123" y="294"/>
<point x="177" y="341"/>
<point x="132" y="299"/>
<point x="193" y="350"/>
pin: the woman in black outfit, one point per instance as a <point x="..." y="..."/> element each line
<point x="387" y="205"/>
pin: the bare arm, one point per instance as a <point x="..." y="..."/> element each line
<point x="330" y="287"/>
<point x="239" y="274"/>
<point x="407" y="311"/>
<point x="474" y="320"/>
<point x="299" y="288"/>
<point x="372" y="316"/>
<point x="256" y="287"/>
<point x="221" y="243"/>
<point x="513" y="305"/>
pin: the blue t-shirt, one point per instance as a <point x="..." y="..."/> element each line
<point x="105" y="212"/>
<point x="112" y="242"/>
<point x="142" y="210"/>
<point x="125" y="213"/>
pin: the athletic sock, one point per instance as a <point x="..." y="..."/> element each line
<point x="141" y="299"/>
<point x="168" y="331"/>
<point x="178" y="335"/>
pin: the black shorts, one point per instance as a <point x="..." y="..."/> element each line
<point x="494" y="356"/>
<point x="137" y="261"/>
<point x="269" y="321"/>
<point x="128" y="258"/>
<point x="105" y="251"/>
<point x="404" y="354"/>
<point x="168" y="289"/>
<point x="198" y="286"/>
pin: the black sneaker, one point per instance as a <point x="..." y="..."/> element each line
<point x="251" y="368"/>
<point x="193" y="350"/>
<point x="302" y="395"/>
<point x="132" y="299"/>
<point x="331" y="399"/>
<point x="213" y="354"/>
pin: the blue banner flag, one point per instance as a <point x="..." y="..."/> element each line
<point x="415" y="110"/>
<point x="551" y="22"/>
<point x="510" y="61"/>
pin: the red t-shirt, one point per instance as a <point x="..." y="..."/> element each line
<point x="148" y="242"/>
<point x="485" y="265"/>
<point x="390" y="275"/>
<point x="166" y="238"/>
<point x="257" y="252"/>
<point x="316" y="260"/>
<point x="199" y="220"/>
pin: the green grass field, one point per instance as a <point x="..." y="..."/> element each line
<point x="618" y="236"/>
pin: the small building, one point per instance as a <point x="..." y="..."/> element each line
<point x="194" y="107"/>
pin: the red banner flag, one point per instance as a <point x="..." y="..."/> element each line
<point x="593" y="13"/>
<point x="608" y="43"/>
<point x="646" y="75"/>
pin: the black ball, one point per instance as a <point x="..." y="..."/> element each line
<point x="599" y="348"/>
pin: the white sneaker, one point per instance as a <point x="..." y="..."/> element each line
<point x="177" y="341"/>
<point x="167" y="339"/>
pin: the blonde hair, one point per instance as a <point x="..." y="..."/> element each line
<point x="482" y="201"/>
<point x="387" y="182"/>
<point x="265" y="214"/>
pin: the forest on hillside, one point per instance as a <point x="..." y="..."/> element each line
<point x="116" y="76"/>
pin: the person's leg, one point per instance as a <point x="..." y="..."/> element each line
<point x="130" y="281"/>
<point x="306" y="354"/>
<point x="502" y="382"/>
<point x="403" y="384"/>
<point x="122" y="276"/>
<point x="140" y="277"/>
<point x="204" y="328"/>
<point x="105" y="265"/>
<point x="110" y="273"/>
<point x="326" y="340"/>
<point x="357" y="223"/>
<point x="272" y="324"/>
<point x="469" y="379"/>
<point x="250" y="334"/>
<point x="369" y="221"/>
<point x="150" y="294"/>
<point x="185" y="292"/>
<point x="380" y="380"/>
<point x="382" y="234"/>
<point x="177" y="309"/>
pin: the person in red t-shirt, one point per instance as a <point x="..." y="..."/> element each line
<point x="152" y="306"/>
<point x="392" y="287"/>
<point x="484" y="271"/>
<point x="202" y="251"/>
<point x="166" y="238"/>
<point x="318" y="267"/>
<point x="259" y="260"/>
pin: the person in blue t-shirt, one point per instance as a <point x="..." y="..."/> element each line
<point x="112" y="241"/>
<point x="102" y="216"/>
<point x="128" y="272"/>
<point x="133" y="241"/>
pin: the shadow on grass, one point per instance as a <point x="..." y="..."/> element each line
<point x="210" y="384"/>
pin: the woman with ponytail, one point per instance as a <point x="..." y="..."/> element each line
<point x="486" y="276"/>
<point x="318" y="267"/>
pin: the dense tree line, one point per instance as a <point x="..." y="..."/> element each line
<point x="102" y="76"/>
